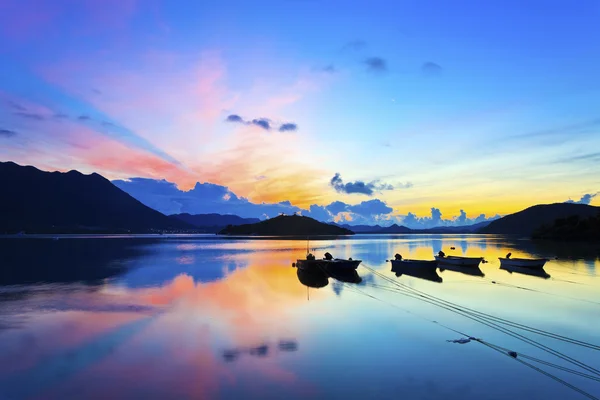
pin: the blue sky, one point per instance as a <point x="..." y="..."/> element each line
<point x="487" y="107"/>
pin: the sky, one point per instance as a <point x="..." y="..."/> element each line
<point x="420" y="112"/>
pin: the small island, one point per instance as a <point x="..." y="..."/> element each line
<point x="287" y="225"/>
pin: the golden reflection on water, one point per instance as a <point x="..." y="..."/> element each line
<point x="173" y="336"/>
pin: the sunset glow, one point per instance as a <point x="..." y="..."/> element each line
<point x="489" y="110"/>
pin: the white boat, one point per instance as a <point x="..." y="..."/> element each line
<point x="456" y="260"/>
<point x="533" y="263"/>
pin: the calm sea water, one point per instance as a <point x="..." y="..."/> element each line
<point x="206" y="317"/>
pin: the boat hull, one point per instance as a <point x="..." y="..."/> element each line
<point x="523" y="262"/>
<point x="461" y="261"/>
<point x="417" y="268"/>
<point x="335" y="264"/>
<point x="414" y="263"/>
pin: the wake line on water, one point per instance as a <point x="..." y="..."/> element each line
<point x="496" y="324"/>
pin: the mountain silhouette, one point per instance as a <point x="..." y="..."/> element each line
<point x="35" y="201"/>
<point x="213" y="223"/>
<point x="525" y="222"/>
<point x="286" y="225"/>
<point x="573" y="228"/>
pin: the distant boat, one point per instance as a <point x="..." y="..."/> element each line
<point x="404" y="262"/>
<point x="327" y="263"/>
<point x="456" y="260"/>
<point x="423" y="269"/>
<point x="533" y="263"/>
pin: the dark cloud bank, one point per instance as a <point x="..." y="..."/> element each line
<point x="204" y="198"/>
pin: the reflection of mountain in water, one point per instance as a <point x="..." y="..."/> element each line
<point x="27" y="260"/>
<point x="262" y="350"/>
<point x="540" y="273"/>
<point x="418" y="271"/>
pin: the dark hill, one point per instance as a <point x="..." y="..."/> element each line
<point x="35" y="201"/>
<point x="284" y="225"/>
<point x="525" y="222"/>
<point x="572" y="228"/>
<point x="395" y="229"/>
<point x="213" y="223"/>
<point x="360" y="228"/>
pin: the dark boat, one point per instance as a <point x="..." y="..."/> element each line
<point x="457" y="260"/>
<point x="531" y="263"/>
<point x="328" y="262"/>
<point x="400" y="262"/>
<point x="416" y="268"/>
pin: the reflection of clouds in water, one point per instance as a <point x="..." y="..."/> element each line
<point x="463" y="245"/>
<point x="188" y="246"/>
<point x="262" y="350"/>
<point x="185" y="260"/>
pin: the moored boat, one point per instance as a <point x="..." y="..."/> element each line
<point x="533" y="263"/>
<point x="327" y="263"/>
<point x="404" y="262"/>
<point x="457" y="260"/>
<point x="423" y="269"/>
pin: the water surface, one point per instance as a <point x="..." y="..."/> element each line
<point x="207" y="317"/>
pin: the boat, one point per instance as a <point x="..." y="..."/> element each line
<point x="403" y="262"/>
<point x="457" y="260"/>
<point x="533" y="263"/>
<point x="327" y="263"/>
<point x="423" y="269"/>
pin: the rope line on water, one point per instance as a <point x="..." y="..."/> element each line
<point x="492" y="321"/>
<point x="499" y="349"/>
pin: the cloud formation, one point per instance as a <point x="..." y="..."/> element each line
<point x="29" y="115"/>
<point x="585" y="199"/>
<point x="431" y="69"/>
<point x="376" y="64"/>
<point x="7" y="133"/>
<point x="234" y="118"/>
<point x="167" y="198"/>
<point x="264" y="123"/>
<point x="288" y="127"/>
<point x="358" y="186"/>
<point x="435" y="219"/>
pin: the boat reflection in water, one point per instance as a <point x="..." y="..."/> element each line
<point x="317" y="275"/>
<point x="418" y="269"/>
<point x="473" y="271"/>
<point x="540" y="273"/>
<point x="262" y="350"/>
